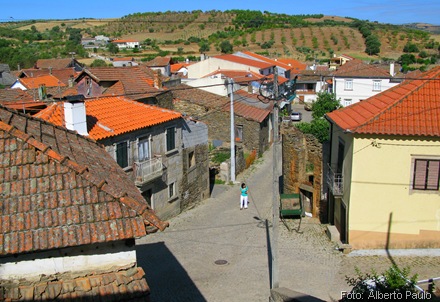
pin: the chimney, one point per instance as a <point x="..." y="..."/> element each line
<point x="70" y="82"/>
<point x="157" y="80"/>
<point x="392" y="69"/>
<point x="75" y="114"/>
<point x="50" y="70"/>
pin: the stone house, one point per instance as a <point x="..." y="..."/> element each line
<point x="135" y="82"/>
<point x="146" y="141"/>
<point x="252" y="124"/>
<point x="6" y="77"/>
<point x="70" y="216"/>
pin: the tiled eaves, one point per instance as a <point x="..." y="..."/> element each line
<point x="123" y="284"/>
<point x="141" y="209"/>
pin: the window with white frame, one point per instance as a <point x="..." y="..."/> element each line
<point x="347" y="102"/>
<point x="122" y="154"/>
<point x="426" y="174"/>
<point x="171" y="190"/>
<point x="377" y="85"/>
<point x="143" y="149"/>
<point x="171" y="138"/>
<point x="348" y="85"/>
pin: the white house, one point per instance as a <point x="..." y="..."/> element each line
<point x="124" y="44"/>
<point x="229" y="62"/>
<point x="356" y="81"/>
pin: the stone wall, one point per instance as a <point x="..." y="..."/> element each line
<point x="195" y="178"/>
<point x="255" y="135"/>
<point x="302" y="168"/>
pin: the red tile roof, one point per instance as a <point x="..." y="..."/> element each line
<point x="158" y="62"/>
<point x="126" y="284"/>
<point x="410" y="108"/>
<point x="124" y="41"/>
<point x="123" y="59"/>
<point x="19" y="99"/>
<point x="357" y="68"/>
<point x="63" y="74"/>
<point x="59" y="189"/>
<point x="54" y="63"/>
<point x="134" y="79"/>
<point x="35" y="82"/>
<point x="176" y="67"/>
<point x="239" y="76"/>
<point x="112" y="116"/>
<point x="245" y="61"/>
<point x="215" y="102"/>
<point x="295" y="65"/>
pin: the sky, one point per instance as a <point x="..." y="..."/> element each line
<point x="383" y="11"/>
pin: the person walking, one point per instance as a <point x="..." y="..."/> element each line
<point x="244" y="196"/>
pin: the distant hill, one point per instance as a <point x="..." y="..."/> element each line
<point x="182" y="34"/>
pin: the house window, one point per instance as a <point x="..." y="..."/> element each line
<point x="239" y="133"/>
<point x="426" y="174"/>
<point x="122" y="154"/>
<point x="347" y="102"/>
<point x="171" y="190"/>
<point x="348" y="84"/>
<point x="144" y="149"/>
<point x="191" y="159"/>
<point x="377" y="85"/>
<point x="171" y="138"/>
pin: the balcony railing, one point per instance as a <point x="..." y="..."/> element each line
<point x="148" y="170"/>
<point x="335" y="182"/>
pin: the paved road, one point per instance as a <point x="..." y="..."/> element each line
<point x="216" y="252"/>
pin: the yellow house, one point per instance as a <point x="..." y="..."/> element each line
<point x="384" y="167"/>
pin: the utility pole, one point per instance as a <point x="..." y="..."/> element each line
<point x="276" y="199"/>
<point x="231" y="82"/>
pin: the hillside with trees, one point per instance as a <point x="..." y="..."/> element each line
<point x="309" y="38"/>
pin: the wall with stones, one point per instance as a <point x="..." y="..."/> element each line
<point x="195" y="178"/>
<point x="255" y="135"/>
<point x="302" y="167"/>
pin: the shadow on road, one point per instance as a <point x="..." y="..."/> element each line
<point x="167" y="279"/>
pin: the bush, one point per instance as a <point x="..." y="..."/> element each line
<point x="394" y="284"/>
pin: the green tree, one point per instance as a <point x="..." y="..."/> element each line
<point x="112" y="48"/>
<point x="226" y="46"/>
<point x="372" y="44"/>
<point x="98" y="63"/>
<point x="326" y="102"/>
<point x="203" y="46"/>
<point x="319" y="128"/>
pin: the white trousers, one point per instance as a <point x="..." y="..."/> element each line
<point x="243" y="201"/>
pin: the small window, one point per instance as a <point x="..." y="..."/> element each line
<point x="143" y="150"/>
<point x="347" y="102"/>
<point x="191" y="159"/>
<point x="377" y="85"/>
<point x="122" y="154"/>
<point x="426" y="174"/>
<point x="171" y="190"/>
<point x="171" y="138"/>
<point x="348" y="84"/>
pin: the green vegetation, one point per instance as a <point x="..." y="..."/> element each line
<point x="396" y="284"/>
<point x="22" y="43"/>
<point x="319" y="126"/>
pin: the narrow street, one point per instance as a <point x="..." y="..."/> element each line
<point x="217" y="252"/>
